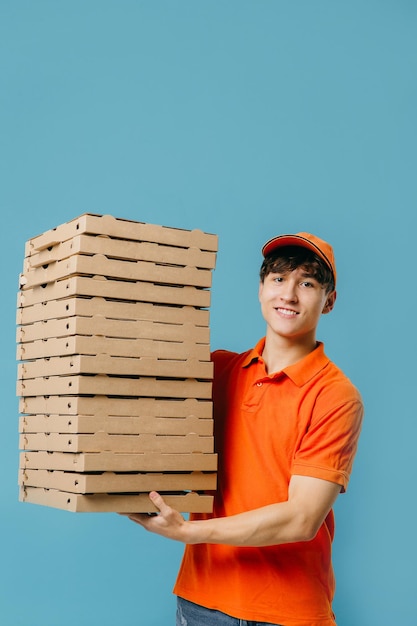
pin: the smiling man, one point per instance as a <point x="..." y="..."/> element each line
<point x="287" y="423"/>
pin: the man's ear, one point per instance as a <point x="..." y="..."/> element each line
<point x="261" y="285"/>
<point x="330" y="300"/>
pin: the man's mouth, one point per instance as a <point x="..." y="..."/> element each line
<point x="287" y="312"/>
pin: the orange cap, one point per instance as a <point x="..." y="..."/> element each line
<point x="305" y="240"/>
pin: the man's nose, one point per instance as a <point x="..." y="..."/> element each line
<point x="289" y="292"/>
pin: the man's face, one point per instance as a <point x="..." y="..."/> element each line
<point x="292" y="304"/>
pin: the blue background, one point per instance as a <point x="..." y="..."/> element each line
<point x="244" y="119"/>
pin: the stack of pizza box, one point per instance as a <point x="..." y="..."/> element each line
<point x="114" y="369"/>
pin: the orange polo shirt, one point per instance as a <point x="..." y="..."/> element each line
<point x="304" y="420"/>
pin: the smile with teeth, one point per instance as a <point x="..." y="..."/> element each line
<point x="286" y="312"/>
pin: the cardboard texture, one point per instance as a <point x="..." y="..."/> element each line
<point x="105" y="503"/>
<point x="87" y="424"/>
<point x="114" y="372"/>
<point x="115" y="309"/>
<point x="121" y="249"/>
<point x="119" y="462"/>
<point x="99" y="286"/>
<point x="114" y="386"/>
<point x="110" y="482"/>
<point x="117" y="366"/>
<point x="113" y="347"/>
<point x="100" y="265"/>
<point x="120" y="228"/>
<point x="103" y="442"/>
<point x="124" y="329"/>
<point x="103" y="406"/>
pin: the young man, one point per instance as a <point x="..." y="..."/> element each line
<point x="287" y="423"/>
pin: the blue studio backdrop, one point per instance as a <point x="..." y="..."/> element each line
<point x="245" y="119"/>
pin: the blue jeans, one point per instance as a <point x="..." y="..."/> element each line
<point x="190" y="614"/>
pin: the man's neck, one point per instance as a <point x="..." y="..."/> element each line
<point x="279" y="353"/>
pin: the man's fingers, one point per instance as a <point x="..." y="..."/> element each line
<point x="142" y="518"/>
<point x="159" y="502"/>
<point x="166" y="521"/>
<point x="138" y="518"/>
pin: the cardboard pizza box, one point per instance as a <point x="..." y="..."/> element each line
<point x="104" y="503"/>
<point x="121" y="249"/>
<point x="116" y="366"/>
<point x="125" y="290"/>
<point x="103" y="406"/>
<point x="120" y="228"/>
<point x="119" y="462"/>
<point x="99" y="325"/>
<point x="100" y="265"/>
<point x="102" y="384"/>
<point x="104" y="442"/>
<point x="113" y="340"/>
<point x="110" y="482"/>
<point x="146" y="424"/>
<point x="115" y="309"/>
<point x="112" y="347"/>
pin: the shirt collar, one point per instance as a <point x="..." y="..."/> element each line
<point x="302" y="371"/>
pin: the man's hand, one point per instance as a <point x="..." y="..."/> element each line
<point x="167" y="522"/>
<point x="297" y="519"/>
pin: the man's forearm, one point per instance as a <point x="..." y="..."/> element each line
<point x="297" y="519"/>
<point x="269" y="525"/>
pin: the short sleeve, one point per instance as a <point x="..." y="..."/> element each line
<point x="328" y="447"/>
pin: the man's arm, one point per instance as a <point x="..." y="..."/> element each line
<point x="297" y="519"/>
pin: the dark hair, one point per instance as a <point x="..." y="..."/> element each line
<point x="289" y="258"/>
